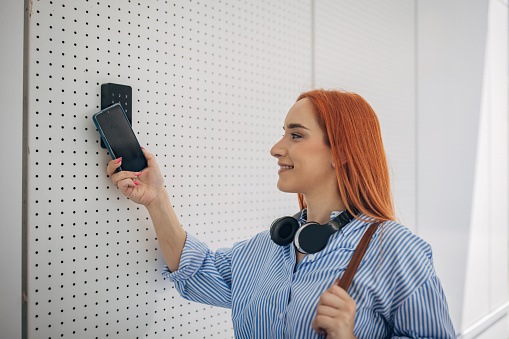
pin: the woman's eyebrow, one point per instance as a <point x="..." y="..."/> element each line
<point x="295" y="125"/>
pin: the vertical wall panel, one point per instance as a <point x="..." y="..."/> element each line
<point x="369" y="48"/>
<point x="11" y="153"/>
<point x="212" y="82"/>
<point x="486" y="282"/>
<point x="451" y="50"/>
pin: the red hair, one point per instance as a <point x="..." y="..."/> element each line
<point x="352" y="131"/>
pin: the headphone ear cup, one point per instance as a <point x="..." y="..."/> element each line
<point x="313" y="237"/>
<point x="283" y="230"/>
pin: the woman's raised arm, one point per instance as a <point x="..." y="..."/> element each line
<point x="147" y="188"/>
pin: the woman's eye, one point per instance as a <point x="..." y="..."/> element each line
<point x="295" y="136"/>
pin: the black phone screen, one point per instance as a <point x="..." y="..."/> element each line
<point x="120" y="139"/>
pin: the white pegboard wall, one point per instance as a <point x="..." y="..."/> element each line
<point x="212" y="82"/>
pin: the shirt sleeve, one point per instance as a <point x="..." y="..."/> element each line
<point x="424" y="314"/>
<point x="203" y="275"/>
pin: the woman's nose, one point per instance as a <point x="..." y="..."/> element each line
<point x="277" y="150"/>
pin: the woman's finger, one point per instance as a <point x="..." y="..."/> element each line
<point x="321" y="323"/>
<point x="327" y="311"/>
<point x="346" y="300"/>
<point x="151" y="159"/>
<point x="127" y="183"/>
<point x="330" y="299"/>
<point x="117" y="177"/>
<point x="113" y="165"/>
<point x="336" y="290"/>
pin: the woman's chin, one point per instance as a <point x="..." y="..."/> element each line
<point x="286" y="188"/>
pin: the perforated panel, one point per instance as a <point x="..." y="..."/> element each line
<point x="368" y="47"/>
<point x="212" y="82"/>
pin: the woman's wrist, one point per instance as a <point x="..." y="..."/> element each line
<point x="170" y="234"/>
<point x="161" y="200"/>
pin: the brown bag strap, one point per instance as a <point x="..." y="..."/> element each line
<point x="351" y="269"/>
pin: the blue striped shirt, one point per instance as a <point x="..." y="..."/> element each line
<point x="396" y="290"/>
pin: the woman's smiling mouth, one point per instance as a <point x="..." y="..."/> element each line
<point x="283" y="168"/>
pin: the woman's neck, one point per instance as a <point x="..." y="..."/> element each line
<point x="323" y="200"/>
<point x="319" y="210"/>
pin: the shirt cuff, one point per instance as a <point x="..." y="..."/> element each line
<point x="191" y="260"/>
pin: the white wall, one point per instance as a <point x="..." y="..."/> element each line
<point x="462" y="155"/>
<point x="11" y="139"/>
<point x="486" y="283"/>
<point x="451" y="46"/>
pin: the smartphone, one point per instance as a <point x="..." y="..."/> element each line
<point x="112" y="93"/>
<point x="119" y="138"/>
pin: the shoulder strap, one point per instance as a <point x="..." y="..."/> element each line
<point x="347" y="278"/>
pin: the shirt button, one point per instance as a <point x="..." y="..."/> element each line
<point x="311" y="257"/>
<point x="281" y="316"/>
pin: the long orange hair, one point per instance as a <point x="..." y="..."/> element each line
<point x="352" y="131"/>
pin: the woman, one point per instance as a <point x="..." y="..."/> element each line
<point x="332" y="155"/>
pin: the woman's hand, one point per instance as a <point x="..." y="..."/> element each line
<point x="141" y="187"/>
<point x="335" y="314"/>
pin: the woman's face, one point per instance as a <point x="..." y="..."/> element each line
<point x="304" y="159"/>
